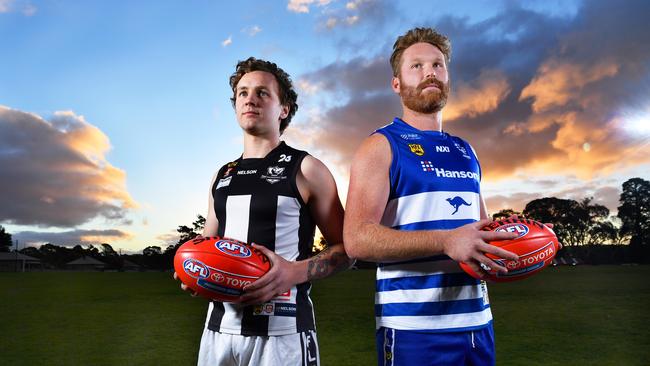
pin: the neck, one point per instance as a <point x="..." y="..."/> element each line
<point x="259" y="146"/>
<point x="422" y="121"/>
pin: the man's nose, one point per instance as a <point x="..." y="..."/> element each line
<point x="429" y="72"/>
<point x="250" y="99"/>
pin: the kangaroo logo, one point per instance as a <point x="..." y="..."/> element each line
<point x="457" y="202"/>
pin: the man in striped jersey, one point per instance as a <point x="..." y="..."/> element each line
<point x="415" y="207"/>
<point x="272" y="195"/>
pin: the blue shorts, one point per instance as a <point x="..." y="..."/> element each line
<point x="407" y="347"/>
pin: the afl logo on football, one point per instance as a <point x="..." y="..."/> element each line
<point x="519" y="229"/>
<point x="195" y="269"/>
<point x="233" y="248"/>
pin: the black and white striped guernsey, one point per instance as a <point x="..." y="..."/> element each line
<point x="257" y="201"/>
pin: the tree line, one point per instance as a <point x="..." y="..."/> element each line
<point x="578" y="223"/>
<point x="585" y="228"/>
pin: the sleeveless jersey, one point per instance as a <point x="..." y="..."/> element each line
<point x="434" y="184"/>
<point x="257" y="200"/>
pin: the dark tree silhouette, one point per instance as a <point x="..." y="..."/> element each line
<point x="186" y="233"/>
<point x="634" y="211"/>
<point x="575" y="223"/>
<point x="606" y="233"/>
<point x="552" y="210"/>
<point x="107" y="250"/>
<point x="5" y="240"/>
<point x="151" y="251"/>
<point x="505" y="213"/>
<point x="189" y="233"/>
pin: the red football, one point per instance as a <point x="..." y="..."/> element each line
<point x="219" y="268"/>
<point x="536" y="247"/>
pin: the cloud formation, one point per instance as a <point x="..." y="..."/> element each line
<point x="571" y="188"/>
<point x="302" y="6"/>
<point x="357" y="12"/>
<point x="532" y="92"/>
<point x="5" y="6"/>
<point x="227" y="42"/>
<point x="482" y="95"/>
<point x="23" y="6"/>
<point x="252" y="30"/>
<point x="70" y="238"/>
<point x="55" y="172"/>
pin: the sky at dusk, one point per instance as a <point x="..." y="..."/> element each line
<point x="114" y="115"/>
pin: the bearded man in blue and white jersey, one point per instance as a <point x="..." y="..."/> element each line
<point x="415" y="207"/>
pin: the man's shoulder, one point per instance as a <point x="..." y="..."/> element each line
<point x="230" y="164"/>
<point x="389" y="128"/>
<point x="289" y="148"/>
<point x="457" y="139"/>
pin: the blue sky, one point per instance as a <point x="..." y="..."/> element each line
<point x="129" y="101"/>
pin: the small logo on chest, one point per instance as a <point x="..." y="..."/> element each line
<point x="462" y="150"/>
<point x="416" y="149"/>
<point x="231" y="167"/>
<point x="456" y="202"/>
<point x="274" y="174"/>
<point x="410" y="136"/>
<point x="225" y="182"/>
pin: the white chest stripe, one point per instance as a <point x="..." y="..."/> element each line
<point x="431" y="206"/>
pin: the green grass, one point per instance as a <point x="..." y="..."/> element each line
<point x="564" y="316"/>
<point x="62" y="318"/>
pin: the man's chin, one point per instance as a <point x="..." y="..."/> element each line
<point x="255" y="129"/>
<point x="426" y="108"/>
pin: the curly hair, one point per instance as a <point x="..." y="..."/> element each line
<point x="288" y="96"/>
<point x="419" y="35"/>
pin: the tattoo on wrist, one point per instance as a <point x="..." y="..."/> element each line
<point x="320" y="267"/>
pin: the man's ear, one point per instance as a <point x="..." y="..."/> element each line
<point x="395" y="84"/>
<point x="285" y="111"/>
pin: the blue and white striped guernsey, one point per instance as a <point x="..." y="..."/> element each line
<point x="434" y="184"/>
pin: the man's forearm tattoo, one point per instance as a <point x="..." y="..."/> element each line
<point x="324" y="264"/>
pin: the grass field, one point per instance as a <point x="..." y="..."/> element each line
<point x="564" y="316"/>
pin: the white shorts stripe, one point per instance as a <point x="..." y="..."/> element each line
<point x="451" y="321"/>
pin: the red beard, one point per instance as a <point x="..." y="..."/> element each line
<point x="428" y="103"/>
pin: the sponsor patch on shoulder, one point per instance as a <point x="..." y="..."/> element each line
<point x="225" y="182"/>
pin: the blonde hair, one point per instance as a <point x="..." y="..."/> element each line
<point x="419" y="35"/>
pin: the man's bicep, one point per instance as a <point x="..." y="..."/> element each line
<point x="325" y="205"/>
<point x="211" y="226"/>
<point x="369" y="181"/>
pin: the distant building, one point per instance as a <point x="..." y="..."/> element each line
<point x="18" y="262"/>
<point x="129" y="266"/>
<point x="86" y="264"/>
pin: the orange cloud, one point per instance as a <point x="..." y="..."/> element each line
<point x="55" y="172"/>
<point x="558" y="83"/>
<point x="545" y="100"/>
<point x="482" y="95"/>
<point x="105" y="237"/>
<point x="72" y="237"/>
